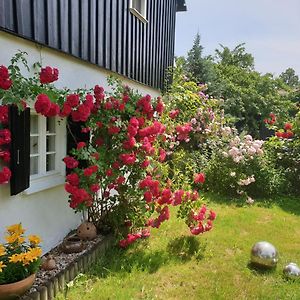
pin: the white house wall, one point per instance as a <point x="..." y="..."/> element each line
<point x="47" y="213"/>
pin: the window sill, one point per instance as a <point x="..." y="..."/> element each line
<point x="138" y="15"/>
<point x="44" y="183"/>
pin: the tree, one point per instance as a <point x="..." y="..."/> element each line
<point x="290" y="78"/>
<point x="249" y="97"/>
<point x="236" y="57"/>
<point x="195" y="60"/>
<point x="200" y="68"/>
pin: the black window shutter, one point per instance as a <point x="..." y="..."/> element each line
<point x="74" y="136"/>
<point x="19" y="125"/>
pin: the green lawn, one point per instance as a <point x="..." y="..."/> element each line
<point x="174" y="265"/>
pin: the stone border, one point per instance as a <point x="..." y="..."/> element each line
<point x="81" y="264"/>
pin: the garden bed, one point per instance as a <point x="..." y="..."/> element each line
<point x="49" y="283"/>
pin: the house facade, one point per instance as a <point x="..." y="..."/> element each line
<point x="86" y="41"/>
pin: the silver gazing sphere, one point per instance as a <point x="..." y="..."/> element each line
<point x="292" y="271"/>
<point x="264" y="254"/>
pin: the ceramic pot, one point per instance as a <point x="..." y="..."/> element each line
<point x="72" y="244"/>
<point x="16" y="289"/>
<point x="87" y="231"/>
<point x="48" y="263"/>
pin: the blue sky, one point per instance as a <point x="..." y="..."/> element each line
<point x="270" y="29"/>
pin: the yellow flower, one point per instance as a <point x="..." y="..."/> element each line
<point x="24" y="258"/>
<point x="2" y="265"/>
<point x="27" y="259"/>
<point x="21" y="240"/>
<point x="2" y="250"/>
<point x="34" y="239"/>
<point x="13" y="238"/>
<point x="31" y="255"/>
<point x="15" y="229"/>
<point x="15" y="258"/>
<point x="35" y="252"/>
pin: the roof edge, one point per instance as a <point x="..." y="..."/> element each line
<point x="181" y="5"/>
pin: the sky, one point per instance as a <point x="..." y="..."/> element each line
<point x="270" y="29"/>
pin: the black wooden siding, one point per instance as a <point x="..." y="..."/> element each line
<point x="103" y="32"/>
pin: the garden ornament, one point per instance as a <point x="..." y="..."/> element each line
<point x="72" y="244"/>
<point x="87" y="231"/>
<point x="49" y="263"/>
<point x="264" y="254"/>
<point x="292" y="271"/>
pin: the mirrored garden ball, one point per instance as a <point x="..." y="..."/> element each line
<point x="292" y="271"/>
<point x="264" y="254"/>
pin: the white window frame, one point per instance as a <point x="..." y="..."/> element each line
<point x="141" y="15"/>
<point x="49" y="179"/>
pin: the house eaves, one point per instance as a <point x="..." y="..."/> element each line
<point x="181" y="5"/>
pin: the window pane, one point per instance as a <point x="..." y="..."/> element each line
<point x="34" y="125"/>
<point x="50" y="143"/>
<point x="50" y="162"/>
<point x="137" y="4"/>
<point x="34" y="165"/>
<point x="34" y="146"/>
<point x="50" y="125"/>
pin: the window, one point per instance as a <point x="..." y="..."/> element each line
<point x="47" y="149"/>
<point x="139" y="9"/>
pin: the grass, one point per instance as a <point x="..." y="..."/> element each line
<point x="174" y="265"/>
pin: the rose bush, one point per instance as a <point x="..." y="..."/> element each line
<point x="126" y="180"/>
<point x="234" y="164"/>
<point x="5" y="139"/>
<point x="283" y="151"/>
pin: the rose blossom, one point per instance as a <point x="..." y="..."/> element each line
<point x="73" y="179"/>
<point x="5" y="82"/>
<point x="42" y="104"/>
<point x="5" y="136"/>
<point x="48" y="75"/>
<point x="70" y="162"/>
<point x="5" y="175"/>
<point x="5" y="155"/>
<point x="199" y="178"/>
<point x="80" y="145"/>
<point x="3" y="114"/>
<point x="73" y="100"/>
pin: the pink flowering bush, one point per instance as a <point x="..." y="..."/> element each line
<point x="190" y="146"/>
<point x="239" y="166"/>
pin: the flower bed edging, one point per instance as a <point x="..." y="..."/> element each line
<point x="81" y="264"/>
